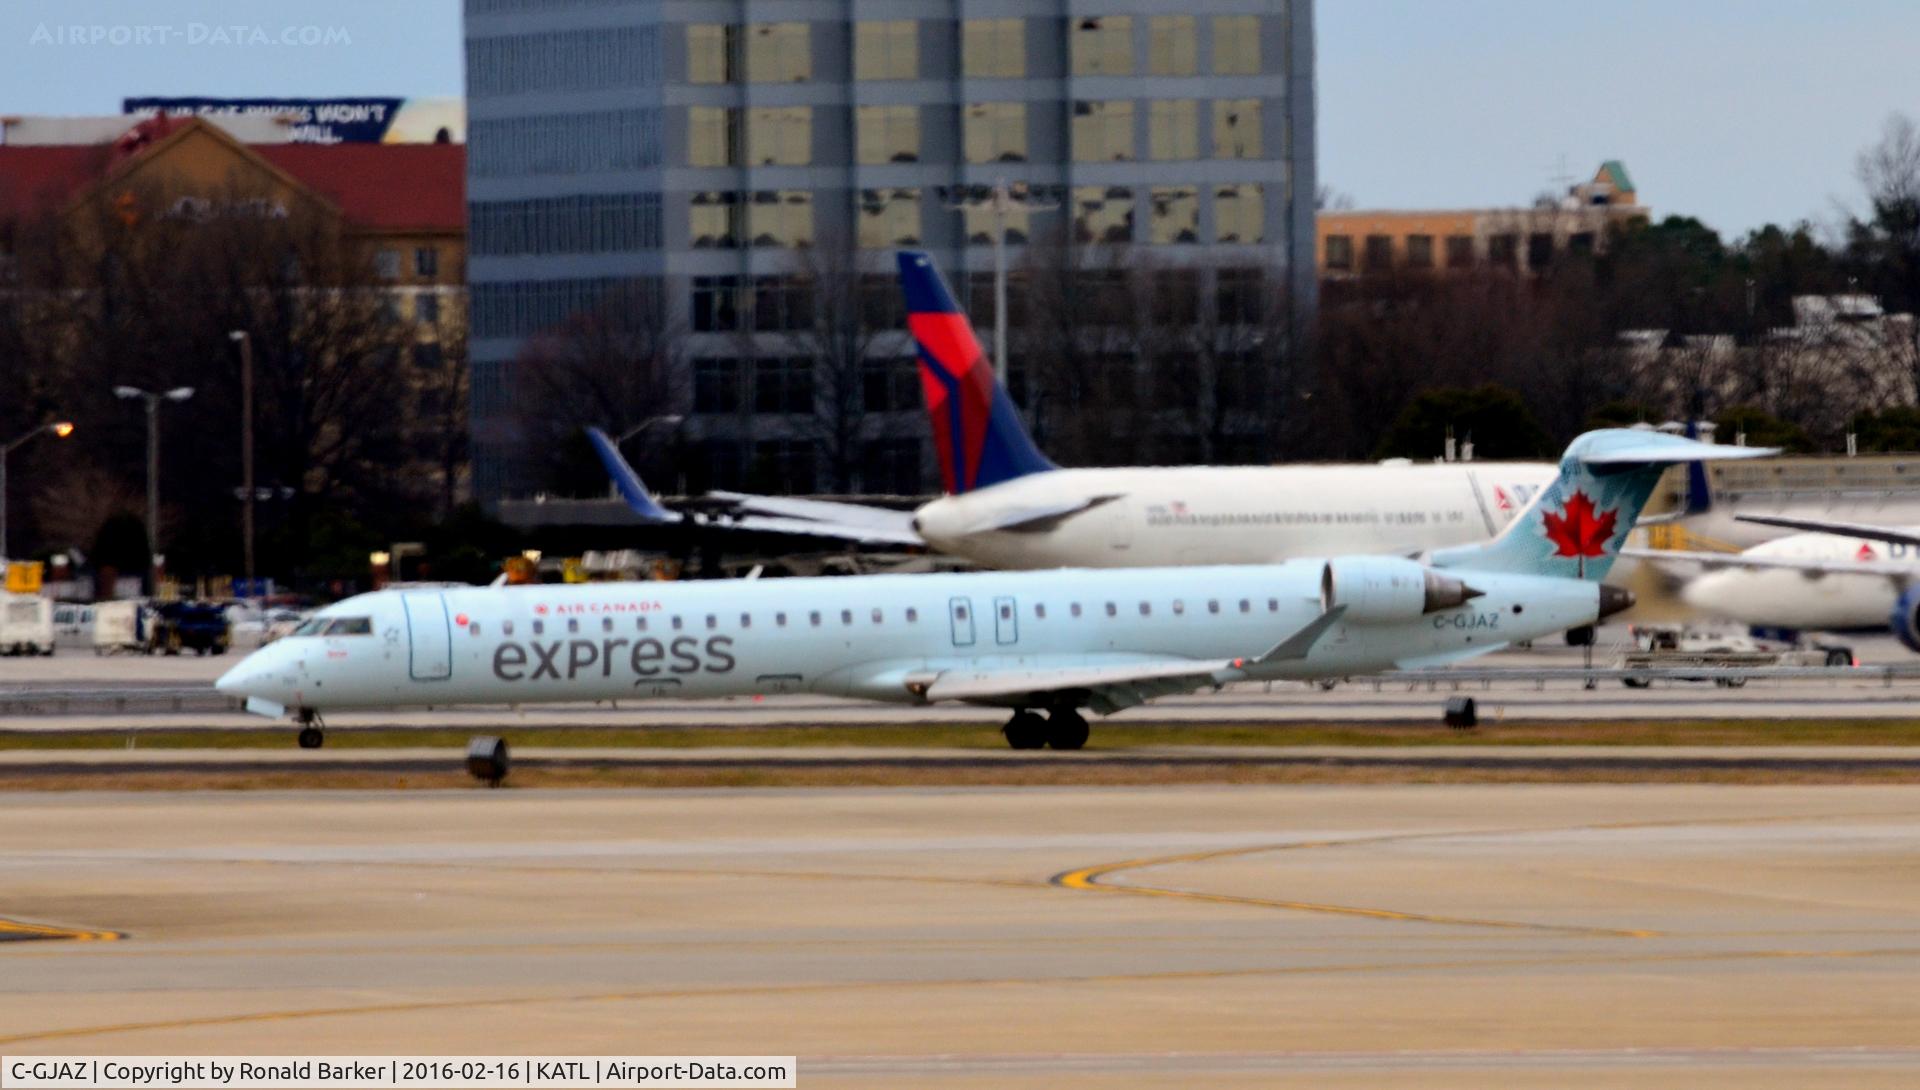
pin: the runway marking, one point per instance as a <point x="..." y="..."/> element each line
<point x="1089" y="878"/>
<point x="749" y="990"/>
<point x="18" y="931"/>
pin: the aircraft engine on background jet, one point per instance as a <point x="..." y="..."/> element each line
<point x="1386" y="590"/>
<point x="1905" y="620"/>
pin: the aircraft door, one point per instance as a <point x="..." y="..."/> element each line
<point x="1006" y="621"/>
<point x="1120" y="525"/>
<point x="429" y="637"/>
<point x="960" y="611"/>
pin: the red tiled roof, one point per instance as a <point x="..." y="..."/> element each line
<point x="389" y="186"/>
<point x="379" y="186"/>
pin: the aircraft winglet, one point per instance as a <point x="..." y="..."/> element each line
<point x="627" y="481"/>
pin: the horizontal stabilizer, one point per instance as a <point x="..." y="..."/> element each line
<point x="1039" y="518"/>
<point x="1865" y="531"/>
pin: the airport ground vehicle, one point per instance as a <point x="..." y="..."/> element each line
<point x="120" y="626"/>
<point x="26" y="625"/>
<point x="200" y="627"/>
<point x="1669" y="646"/>
<point x="73" y="623"/>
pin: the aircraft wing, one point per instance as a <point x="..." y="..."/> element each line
<point x="1863" y="530"/>
<point x="1039" y="518"/>
<point x="1111" y="687"/>
<point x="882" y="524"/>
<point x="1890" y="569"/>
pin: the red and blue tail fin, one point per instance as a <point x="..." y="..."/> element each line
<point x="976" y="429"/>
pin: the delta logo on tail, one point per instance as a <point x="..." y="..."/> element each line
<point x="976" y="430"/>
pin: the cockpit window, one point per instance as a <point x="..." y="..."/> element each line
<point x="350" y="626"/>
<point x="312" y="627"/>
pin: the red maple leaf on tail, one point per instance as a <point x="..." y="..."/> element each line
<point x="1578" y="530"/>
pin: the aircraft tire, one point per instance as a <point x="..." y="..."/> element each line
<point x="312" y="738"/>
<point x="1067" y="729"/>
<point x="1026" y="731"/>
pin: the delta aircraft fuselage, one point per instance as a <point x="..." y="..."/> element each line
<point x="1830" y="597"/>
<point x="1181" y="515"/>
<point x="875" y="637"/>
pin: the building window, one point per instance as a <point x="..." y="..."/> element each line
<point x="426" y="308"/>
<point x="1236" y="128"/>
<point x="889" y="385"/>
<point x="717" y="304"/>
<point x="891" y="467"/>
<point x="1240" y="213"/>
<point x="1172" y="45"/>
<point x="1102" y="131"/>
<point x="582" y="223"/>
<point x="1459" y="251"/>
<point x="980" y="218"/>
<point x="889" y="217"/>
<point x="887" y="134"/>
<point x="1340" y="252"/>
<point x="716" y="385"/>
<point x="1539" y="250"/>
<point x="1176" y="300"/>
<point x="887" y="49"/>
<point x="1103" y="214"/>
<point x="715" y="221"/>
<point x="783" y="385"/>
<point x="996" y="132"/>
<point x="1420" y="251"/>
<point x="781" y="304"/>
<point x="386" y="264"/>
<point x="994" y="48"/>
<point x="429" y="356"/>
<point x="1379" y="253"/>
<point x="1173" y="129"/>
<point x="712" y="136"/>
<point x="574" y="143"/>
<point x="779" y="53"/>
<point x="1236" y="45"/>
<point x="570" y="60"/>
<point x="780" y="136"/>
<point x="781" y="218"/>
<point x="426" y="262"/>
<point x="1176" y="215"/>
<point x="1503" y="250"/>
<point x="784" y="465"/>
<point x="711" y="49"/>
<point x="1240" y="295"/>
<point x="1103" y="45"/>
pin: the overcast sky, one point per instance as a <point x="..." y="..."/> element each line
<point x="1738" y="111"/>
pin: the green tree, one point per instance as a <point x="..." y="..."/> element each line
<point x="1492" y="417"/>
<point x="1762" y="429"/>
<point x="1889" y="431"/>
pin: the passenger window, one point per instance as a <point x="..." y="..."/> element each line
<point x="573" y="624"/>
<point x="1273" y="605"/>
<point x="712" y="621"/>
<point x="876" y="616"/>
<point x="676" y="622"/>
<point x="1039" y="612"/>
<point x="639" y="624"/>
<point x="1006" y="612"/>
<point x="1074" y="609"/>
<point x="606" y="624"/>
<point x="506" y="628"/>
<point x="539" y="628"/>
<point x="846" y="616"/>
<point x="913" y="615"/>
<point x="1179" y="607"/>
<point x="1146" y="610"/>
<point x="813" y="618"/>
<point x="1213" y="605"/>
<point x="472" y="629"/>
<point x="1113" y="610"/>
<point x="780" y="619"/>
<point x="746" y="620"/>
<point x="1246" y="606"/>
<point x="959" y="613"/>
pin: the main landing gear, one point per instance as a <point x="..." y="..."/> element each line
<point x="312" y="730"/>
<point x="1062" y="728"/>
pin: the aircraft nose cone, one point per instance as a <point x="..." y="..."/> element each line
<point x="235" y="682"/>
<point x="249" y="677"/>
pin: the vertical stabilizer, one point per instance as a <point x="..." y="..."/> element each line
<point x="976" y="428"/>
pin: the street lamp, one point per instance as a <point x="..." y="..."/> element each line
<point x="240" y="337"/>
<point x="672" y="420"/>
<point x="59" y="429"/>
<point x="153" y="400"/>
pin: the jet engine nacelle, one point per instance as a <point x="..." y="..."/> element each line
<point x="1905" y="620"/>
<point x="1383" y="590"/>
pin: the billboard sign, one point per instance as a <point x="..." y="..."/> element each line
<point x="327" y="120"/>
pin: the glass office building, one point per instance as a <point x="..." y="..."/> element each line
<point x="706" y="149"/>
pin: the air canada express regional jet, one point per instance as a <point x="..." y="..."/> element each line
<point x="1053" y="642"/>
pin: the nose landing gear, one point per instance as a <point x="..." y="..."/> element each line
<point x="1062" y="728"/>
<point x="312" y="730"/>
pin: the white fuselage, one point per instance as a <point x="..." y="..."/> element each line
<point x="1183" y="515"/>
<point x="865" y="636"/>
<point x="1775" y="597"/>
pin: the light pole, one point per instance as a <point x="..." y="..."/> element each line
<point x="153" y="400"/>
<point x="671" y="420"/>
<point x="240" y="337"/>
<point x="1002" y="201"/>
<point x="59" y="429"/>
